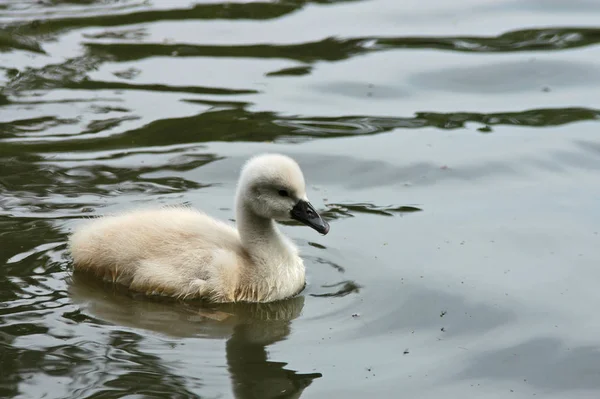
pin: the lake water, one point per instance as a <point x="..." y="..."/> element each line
<point x="453" y="146"/>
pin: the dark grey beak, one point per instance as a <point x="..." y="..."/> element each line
<point x="305" y="213"/>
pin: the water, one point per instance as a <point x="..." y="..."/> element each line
<point x="453" y="146"/>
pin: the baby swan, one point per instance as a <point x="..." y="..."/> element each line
<point x="181" y="252"/>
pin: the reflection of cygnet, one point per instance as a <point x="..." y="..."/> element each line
<point x="249" y="329"/>
<point x="181" y="252"/>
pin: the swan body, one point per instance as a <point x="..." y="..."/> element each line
<point x="184" y="253"/>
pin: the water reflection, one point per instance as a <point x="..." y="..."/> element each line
<point x="336" y="49"/>
<point x="230" y="121"/>
<point x="541" y="362"/>
<point x="498" y="77"/>
<point x="248" y="328"/>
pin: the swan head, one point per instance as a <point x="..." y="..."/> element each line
<point x="272" y="186"/>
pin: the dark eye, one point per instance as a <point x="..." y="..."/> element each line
<point x="284" y="193"/>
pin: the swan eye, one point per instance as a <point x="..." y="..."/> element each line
<point x="284" y="193"/>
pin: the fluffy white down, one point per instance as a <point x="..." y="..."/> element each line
<point x="184" y="253"/>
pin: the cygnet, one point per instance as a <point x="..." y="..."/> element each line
<point x="184" y="253"/>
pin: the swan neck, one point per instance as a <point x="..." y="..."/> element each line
<point x="256" y="232"/>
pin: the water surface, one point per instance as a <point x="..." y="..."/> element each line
<point x="453" y="146"/>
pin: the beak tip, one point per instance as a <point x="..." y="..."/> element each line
<point x="305" y="213"/>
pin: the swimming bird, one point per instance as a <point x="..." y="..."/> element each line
<point x="184" y="253"/>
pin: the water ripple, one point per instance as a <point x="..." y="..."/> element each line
<point x="336" y="49"/>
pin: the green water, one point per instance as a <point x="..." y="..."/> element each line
<point x="453" y="147"/>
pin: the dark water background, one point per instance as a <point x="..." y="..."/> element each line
<point x="481" y="113"/>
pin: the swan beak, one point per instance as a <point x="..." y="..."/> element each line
<point x="304" y="212"/>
